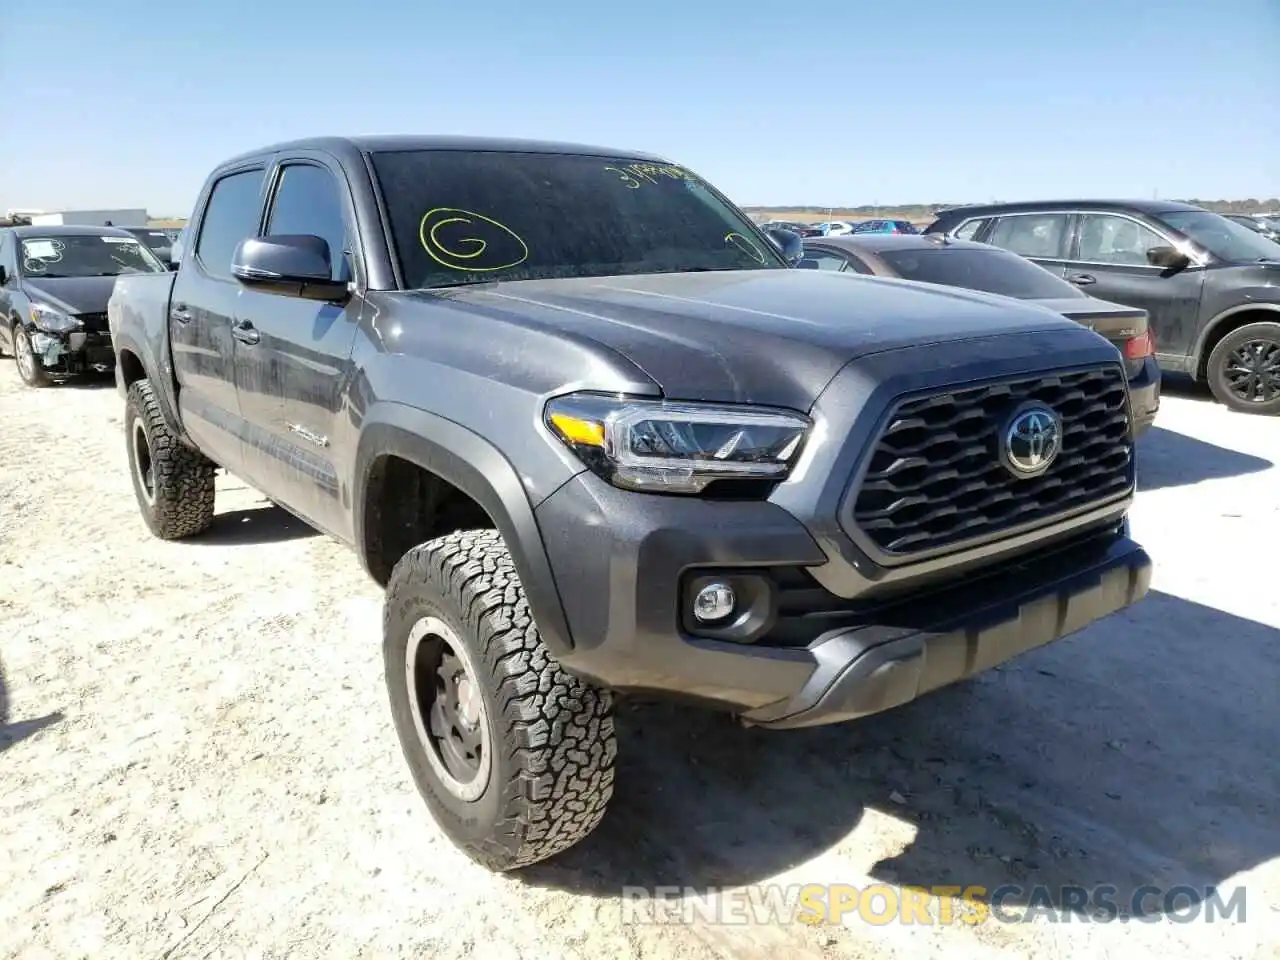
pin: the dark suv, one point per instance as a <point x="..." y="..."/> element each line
<point x="1210" y="286"/>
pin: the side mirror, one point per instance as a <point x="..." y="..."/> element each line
<point x="791" y="245"/>
<point x="4" y="276"/>
<point x="294" y="265"/>
<point x="1170" y="258"/>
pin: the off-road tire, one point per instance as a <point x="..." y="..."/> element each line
<point x="1215" y="368"/>
<point x="38" y="377"/>
<point x="550" y="736"/>
<point x="183" y="479"/>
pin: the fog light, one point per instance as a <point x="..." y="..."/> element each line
<point x="713" y="602"/>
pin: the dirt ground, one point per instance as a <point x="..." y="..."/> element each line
<point x="197" y="760"/>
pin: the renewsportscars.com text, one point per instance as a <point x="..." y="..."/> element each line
<point x="881" y="904"/>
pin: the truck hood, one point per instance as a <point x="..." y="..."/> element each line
<point x="751" y="336"/>
<point x="71" y="294"/>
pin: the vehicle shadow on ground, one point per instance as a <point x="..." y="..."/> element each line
<point x="86" y="381"/>
<point x="1181" y="385"/>
<point x="254" y="525"/>
<point x="11" y="733"/>
<point x="1170" y="459"/>
<point x="1104" y="758"/>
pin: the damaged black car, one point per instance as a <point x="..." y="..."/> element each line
<point x="54" y="287"/>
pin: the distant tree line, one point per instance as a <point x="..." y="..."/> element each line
<point x="923" y="211"/>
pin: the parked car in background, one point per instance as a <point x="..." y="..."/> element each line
<point x="157" y="240"/>
<point x="54" y="286"/>
<point x="1210" y="286"/>
<point x="936" y="258"/>
<point x="1257" y="224"/>
<point x="834" y="228"/>
<point x="799" y="229"/>
<point x="884" y="226"/>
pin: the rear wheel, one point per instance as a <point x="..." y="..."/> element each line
<point x="173" y="483"/>
<point x="29" y="368"/>
<point x="1244" y="369"/>
<point x="514" y="757"/>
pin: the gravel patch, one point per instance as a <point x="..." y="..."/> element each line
<point x="197" y="758"/>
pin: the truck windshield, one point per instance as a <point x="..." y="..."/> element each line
<point x="988" y="271"/>
<point x="85" y="255"/>
<point x="462" y="217"/>
<point x="1222" y="237"/>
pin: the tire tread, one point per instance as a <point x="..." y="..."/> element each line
<point x="184" y="478"/>
<point x="558" y="729"/>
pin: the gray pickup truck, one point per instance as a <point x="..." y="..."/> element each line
<point x="592" y="433"/>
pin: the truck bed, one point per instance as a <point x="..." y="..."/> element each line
<point x="138" y="318"/>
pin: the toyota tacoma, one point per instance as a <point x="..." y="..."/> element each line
<point x="592" y="433"/>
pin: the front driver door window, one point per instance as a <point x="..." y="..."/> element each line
<point x="1110" y="262"/>
<point x="1105" y="238"/>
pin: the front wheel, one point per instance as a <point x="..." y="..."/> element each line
<point x="1244" y="369"/>
<point x="29" y="368"/>
<point x="513" y="756"/>
<point x="173" y="483"/>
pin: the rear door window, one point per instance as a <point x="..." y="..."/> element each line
<point x="230" y="216"/>
<point x="1040" y="235"/>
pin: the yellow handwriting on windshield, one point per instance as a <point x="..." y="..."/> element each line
<point x="636" y="175"/>
<point x="744" y="244"/>
<point x="460" y="239"/>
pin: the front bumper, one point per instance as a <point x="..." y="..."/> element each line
<point x="622" y="562"/>
<point x="75" y="352"/>
<point x="874" y="666"/>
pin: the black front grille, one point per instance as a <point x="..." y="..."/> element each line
<point x="936" y="478"/>
<point x="93" y="322"/>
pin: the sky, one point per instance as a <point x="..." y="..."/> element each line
<point x="114" y="105"/>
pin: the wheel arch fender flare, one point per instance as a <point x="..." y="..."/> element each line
<point x="1210" y="329"/>
<point x="161" y="384"/>
<point x="471" y="463"/>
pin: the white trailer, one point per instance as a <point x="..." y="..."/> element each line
<point x="92" y="218"/>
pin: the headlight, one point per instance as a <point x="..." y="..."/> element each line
<point x="52" y="321"/>
<point x="665" y="447"/>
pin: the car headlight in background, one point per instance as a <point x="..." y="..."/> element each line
<point x="665" y="447"/>
<point x="52" y="321"/>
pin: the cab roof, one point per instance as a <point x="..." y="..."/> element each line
<point x="351" y="146"/>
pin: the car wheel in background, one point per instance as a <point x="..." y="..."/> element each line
<point x="1244" y="369"/>
<point x="29" y="369"/>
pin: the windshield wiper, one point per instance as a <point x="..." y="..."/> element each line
<point x="458" y="283"/>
